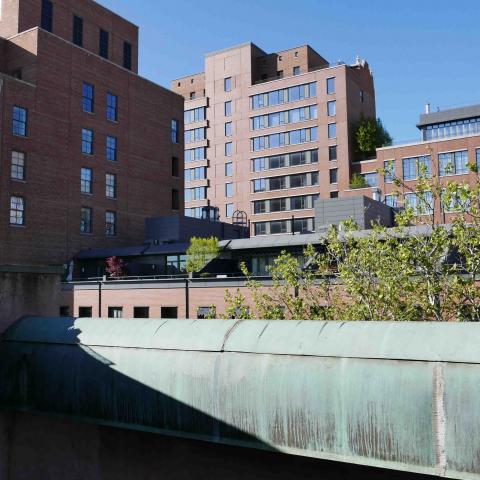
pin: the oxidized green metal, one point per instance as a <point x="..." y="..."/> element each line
<point x="397" y="395"/>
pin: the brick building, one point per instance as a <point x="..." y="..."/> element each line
<point x="267" y="134"/>
<point x="89" y="149"/>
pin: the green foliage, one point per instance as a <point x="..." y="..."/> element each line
<point x="357" y="181"/>
<point x="404" y="273"/>
<point x="200" y="252"/>
<point x="370" y="135"/>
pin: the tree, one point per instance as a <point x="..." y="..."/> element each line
<point x="370" y="135"/>
<point x="115" y="267"/>
<point x="357" y="181"/>
<point x="200" y="252"/>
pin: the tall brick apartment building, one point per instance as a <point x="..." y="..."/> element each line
<point x="88" y="148"/>
<point x="267" y="134"/>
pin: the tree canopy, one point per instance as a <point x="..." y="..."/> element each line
<point x="370" y="135"/>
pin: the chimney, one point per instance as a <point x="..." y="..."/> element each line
<point x="427" y="108"/>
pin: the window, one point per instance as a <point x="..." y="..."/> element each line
<point x="88" y="97"/>
<point x="86" y="220"/>
<point x="17" y="210"/>
<point x="276" y="97"/>
<point x="280" y="73"/>
<point x="227" y="84"/>
<point x="371" y="179"/>
<point x="85" y="312"/>
<point x="478" y="158"/>
<point x="228" y="149"/>
<point x="17" y="171"/>
<point x="314" y="178"/>
<point x="127" y="55"/>
<point x="421" y="204"/>
<point x="115" y="312"/>
<point x="259" y="206"/>
<point x="195" y="135"/>
<point x="195" y="115"/>
<point x="228" y="108"/>
<point x="296" y="71"/>
<point x="229" y="210"/>
<point x="175" y="199"/>
<point x="332" y="130"/>
<point x="414" y="165"/>
<point x="332" y="108"/>
<point x="206" y="312"/>
<point x="103" y="44"/>
<point x="299" y="180"/>
<point x="301" y="225"/>
<point x="197" y="193"/>
<point x="192" y="95"/>
<point x="47" y="15"/>
<point x="279" y="226"/>
<point x="228" y="129"/>
<point x="278" y="204"/>
<point x="77" y="35"/>
<point x="111" y="148"/>
<point x="229" y="169"/>
<point x="277" y="183"/>
<point x="198" y="173"/>
<point x="259" y="185"/>
<point x="195" y="154"/>
<point x="260" y="228"/>
<point x="333" y="194"/>
<point x="110" y="223"/>
<point x="175" y="131"/>
<point x="453" y="163"/>
<point x="389" y="169"/>
<point x="141" y="312"/>
<point x="332" y="152"/>
<point x="20" y="121"/>
<point x="86" y="180"/>
<point x="110" y="185"/>
<point x="87" y="141"/>
<point x="175" y="167"/>
<point x="229" y="190"/>
<point x="330" y="85"/>
<point x="258" y="164"/>
<point x="334" y="175"/>
<point x="391" y="200"/>
<point x="112" y="107"/>
<point x="169" y="312"/>
<point x="298" y="203"/>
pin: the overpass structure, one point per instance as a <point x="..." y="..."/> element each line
<point x="397" y="396"/>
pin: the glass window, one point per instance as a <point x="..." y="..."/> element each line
<point x="47" y="15"/>
<point x="127" y="55"/>
<point x="229" y="169"/>
<point x="332" y="130"/>
<point x="228" y="149"/>
<point x="478" y="158"/>
<point x="421" y="204"/>
<point x="412" y="167"/>
<point x="391" y="200"/>
<point x="110" y="223"/>
<point x="371" y="179"/>
<point x="228" y="108"/>
<point x="86" y="180"/>
<point x="301" y="225"/>
<point x="77" y="35"/>
<point x="258" y="164"/>
<point x="332" y="152"/>
<point x="259" y="206"/>
<point x="278" y="204"/>
<point x="229" y="190"/>
<point x="260" y="228"/>
<point x="20" y="121"/>
<point x="174" y="131"/>
<point x="330" y="85"/>
<point x="228" y="129"/>
<point x="195" y="115"/>
<point x="259" y="185"/>
<point x="389" y="168"/>
<point x="110" y="185"/>
<point x="115" y="312"/>
<point x="229" y="210"/>
<point x="17" y="210"/>
<point x="85" y="312"/>
<point x="86" y="220"/>
<point x="103" y="44"/>
<point x="111" y="148"/>
<point x="277" y="183"/>
<point x="227" y="83"/>
<point x="299" y="180"/>
<point x="17" y="171"/>
<point x="298" y="203"/>
<point x="88" y="97"/>
<point x="278" y="226"/>
<point x="453" y="163"/>
<point x="175" y="167"/>
<point x="87" y="141"/>
<point x="332" y="108"/>
<point x="112" y="107"/>
<point x="297" y="158"/>
<point x="296" y="70"/>
<point x="334" y="175"/>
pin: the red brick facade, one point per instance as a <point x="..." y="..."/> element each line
<point x="44" y="73"/>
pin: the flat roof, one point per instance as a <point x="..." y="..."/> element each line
<point x="449" y="115"/>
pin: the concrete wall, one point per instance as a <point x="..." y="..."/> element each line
<point x="38" y="447"/>
<point x="27" y="291"/>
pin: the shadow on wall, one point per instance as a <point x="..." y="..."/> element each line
<point x="68" y="382"/>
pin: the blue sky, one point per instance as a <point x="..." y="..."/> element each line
<point x="419" y="50"/>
